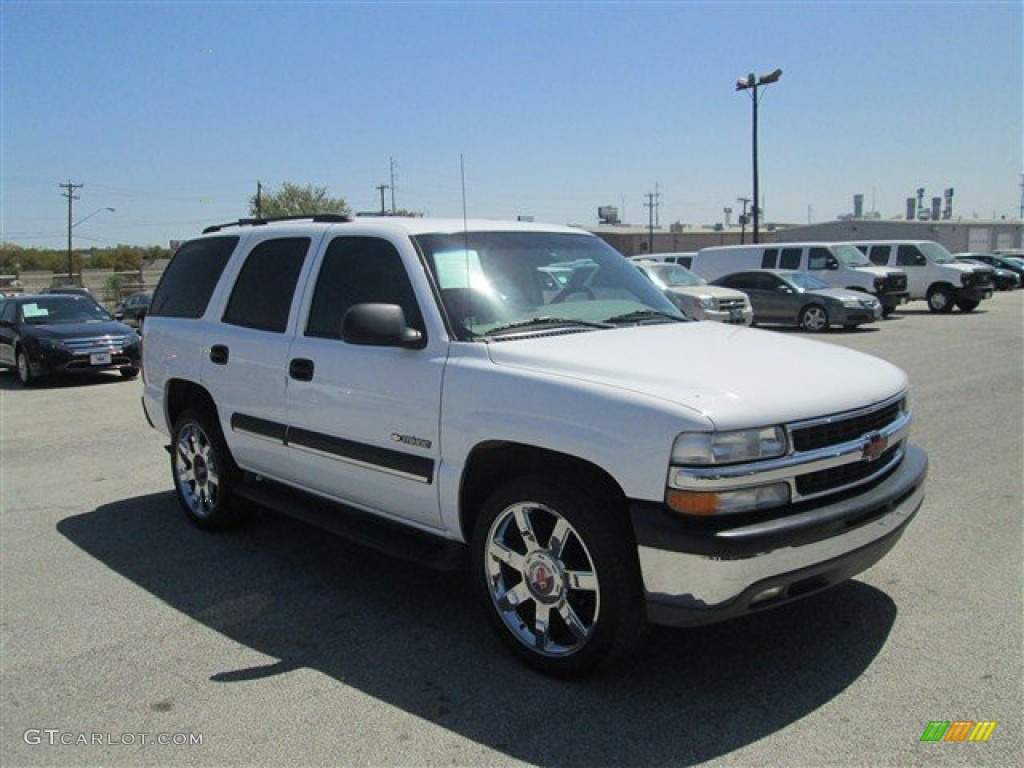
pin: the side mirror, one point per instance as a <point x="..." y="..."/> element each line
<point x="831" y="263"/>
<point x="784" y="289"/>
<point x="379" y="325"/>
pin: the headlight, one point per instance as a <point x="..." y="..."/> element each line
<point x="852" y="303"/>
<point x="706" y="302"/>
<point x="704" y="448"/>
<point x="967" y="279"/>
<point x="46" y="343"/>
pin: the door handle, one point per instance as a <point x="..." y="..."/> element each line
<point x="219" y="354"/>
<point x="301" y="369"/>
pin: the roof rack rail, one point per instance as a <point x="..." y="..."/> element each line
<point x="329" y="218"/>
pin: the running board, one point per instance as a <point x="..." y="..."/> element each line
<point x="357" y="526"/>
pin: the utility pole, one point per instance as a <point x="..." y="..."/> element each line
<point x="71" y="196"/>
<point x="391" y="162"/>
<point x="752" y="83"/>
<point x="259" y="200"/>
<point x="652" y="203"/>
<point x="381" y="188"/>
<point x="743" y="218"/>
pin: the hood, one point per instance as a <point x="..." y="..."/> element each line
<point x="736" y="376"/>
<point x="79" y="330"/>
<point x="881" y="271"/>
<point x="718" y="291"/>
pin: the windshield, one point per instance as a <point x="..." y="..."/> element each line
<point x="850" y="256"/>
<point x="57" y="309"/>
<point x="939" y="254"/>
<point x="807" y="281"/>
<point x="501" y="283"/>
<point x="672" y="275"/>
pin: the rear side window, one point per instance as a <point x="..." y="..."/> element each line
<point x="880" y="254"/>
<point x="791" y="258"/>
<point x="188" y="282"/>
<point x="262" y="296"/>
<point x="358" y="270"/>
<point x="770" y="258"/>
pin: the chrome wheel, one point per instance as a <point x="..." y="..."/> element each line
<point x="541" y="579"/>
<point x="940" y="299"/>
<point x="814" y="318"/>
<point x="196" y="471"/>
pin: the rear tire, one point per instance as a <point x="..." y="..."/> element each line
<point x="557" y="572"/>
<point x="203" y="471"/>
<point x="129" y="373"/>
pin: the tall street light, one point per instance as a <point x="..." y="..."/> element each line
<point x="752" y="83"/>
<point x="71" y="275"/>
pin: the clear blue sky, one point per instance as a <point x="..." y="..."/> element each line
<point x="170" y="112"/>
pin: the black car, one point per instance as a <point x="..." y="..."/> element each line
<point x="801" y="299"/>
<point x="133" y="309"/>
<point x="63" y="333"/>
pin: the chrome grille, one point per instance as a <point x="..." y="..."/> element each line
<point x="731" y="303"/>
<point x="95" y="344"/>
<point x="841" y="430"/>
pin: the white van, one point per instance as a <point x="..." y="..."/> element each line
<point x="682" y="258"/>
<point x="838" y="264"/>
<point x="935" y="274"/>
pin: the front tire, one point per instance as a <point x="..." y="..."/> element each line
<point x="129" y="373"/>
<point x="814" y="318"/>
<point x="940" y="299"/>
<point x="203" y="471"/>
<point x="967" y="306"/>
<point x="558" y="574"/>
<point x="25" y="375"/>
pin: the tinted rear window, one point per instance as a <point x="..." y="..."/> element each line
<point x="188" y="282"/>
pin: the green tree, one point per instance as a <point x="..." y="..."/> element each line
<point x="293" y="200"/>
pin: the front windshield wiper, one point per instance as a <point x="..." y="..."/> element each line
<point x="541" y="321"/>
<point x="646" y="315"/>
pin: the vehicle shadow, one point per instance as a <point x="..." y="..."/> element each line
<point x="415" y="639"/>
<point x="9" y="381"/>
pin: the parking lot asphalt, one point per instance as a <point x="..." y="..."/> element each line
<point x="123" y="627"/>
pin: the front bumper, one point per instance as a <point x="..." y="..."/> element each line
<point x="731" y="317"/>
<point x="891" y="300"/>
<point x="974" y="293"/>
<point x="694" y="574"/>
<point x="47" y="361"/>
<point x="857" y="315"/>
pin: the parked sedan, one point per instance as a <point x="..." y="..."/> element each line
<point x="697" y="299"/>
<point x="133" y="309"/>
<point x="799" y="298"/>
<point x="64" y="333"/>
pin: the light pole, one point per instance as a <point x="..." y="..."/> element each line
<point x="752" y="83"/>
<point x="71" y="274"/>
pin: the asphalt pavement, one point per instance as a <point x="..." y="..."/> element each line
<point x="130" y="638"/>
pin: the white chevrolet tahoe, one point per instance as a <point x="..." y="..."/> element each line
<point x="595" y="460"/>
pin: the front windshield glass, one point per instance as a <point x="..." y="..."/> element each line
<point x="807" y="281"/>
<point x="508" y="283"/>
<point x="938" y="253"/>
<point x="669" y="275"/>
<point x="850" y="256"/>
<point x="56" y="309"/>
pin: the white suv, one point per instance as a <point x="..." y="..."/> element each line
<point x="520" y="397"/>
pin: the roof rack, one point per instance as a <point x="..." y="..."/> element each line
<point x="329" y="218"/>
